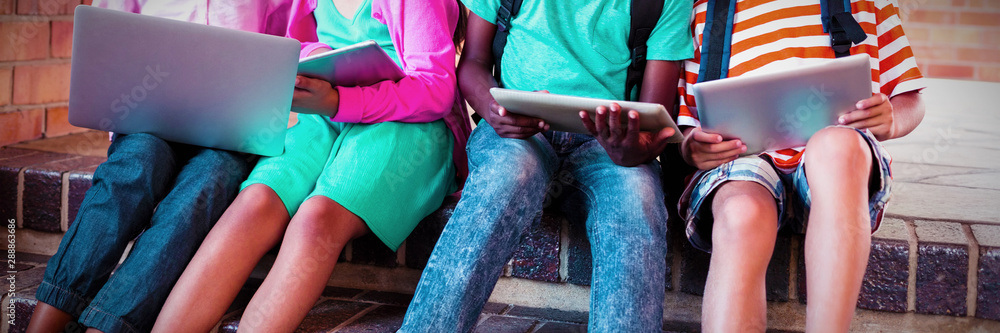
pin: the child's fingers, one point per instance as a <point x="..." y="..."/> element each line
<point x="511" y="119"/>
<point x="720" y="147"/>
<point x="308" y="83"/>
<point x="300" y="94"/>
<point x="614" y="120"/>
<point x="632" y="129"/>
<point x="589" y="124"/>
<point x="601" y="121"/>
<point x="871" y="101"/>
<point x="722" y="156"/>
<point x="704" y="137"/>
<point x="855" y="116"/>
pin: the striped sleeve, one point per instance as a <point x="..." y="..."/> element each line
<point x="898" y="72"/>
<point x="687" y="109"/>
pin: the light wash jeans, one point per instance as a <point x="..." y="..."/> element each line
<point x="168" y="195"/>
<point x="623" y="210"/>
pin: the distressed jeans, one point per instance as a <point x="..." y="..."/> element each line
<point x="168" y="195"/>
<point x="622" y="208"/>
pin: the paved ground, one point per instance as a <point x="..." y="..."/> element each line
<point x="948" y="169"/>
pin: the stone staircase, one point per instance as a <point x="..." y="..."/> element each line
<point x="934" y="264"/>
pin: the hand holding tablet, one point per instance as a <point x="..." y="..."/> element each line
<point x="561" y="112"/>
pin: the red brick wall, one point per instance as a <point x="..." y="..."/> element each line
<point x="958" y="39"/>
<point x="951" y="39"/>
<point x="35" y="38"/>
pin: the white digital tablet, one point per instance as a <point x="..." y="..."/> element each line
<point x="562" y="112"/>
<point x="358" y="65"/>
<point x="783" y="109"/>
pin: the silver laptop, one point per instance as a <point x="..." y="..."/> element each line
<point x="783" y="109"/>
<point x="183" y="82"/>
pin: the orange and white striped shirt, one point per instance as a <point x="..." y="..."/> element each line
<point x="772" y="35"/>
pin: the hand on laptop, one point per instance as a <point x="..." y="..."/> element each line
<point x="626" y="146"/>
<point x="705" y="150"/>
<point x="874" y="114"/>
<point x="513" y="126"/>
<point x="315" y="96"/>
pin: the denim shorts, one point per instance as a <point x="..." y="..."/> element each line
<point x="790" y="191"/>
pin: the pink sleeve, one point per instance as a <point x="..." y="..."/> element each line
<point x="427" y="92"/>
<point x="302" y="26"/>
<point x="131" y="6"/>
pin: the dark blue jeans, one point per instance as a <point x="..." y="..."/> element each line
<point x="165" y="196"/>
<point x="622" y="208"/>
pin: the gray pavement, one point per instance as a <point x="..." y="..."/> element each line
<point x="948" y="169"/>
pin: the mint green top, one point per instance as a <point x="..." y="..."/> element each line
<point x="333" y="29"/>
<point x="580" y="47"/>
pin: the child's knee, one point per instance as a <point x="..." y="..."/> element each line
<point x="741" y="211"/>
<point x="838" y="146"/>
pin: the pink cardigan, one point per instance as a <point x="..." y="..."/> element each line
<point x="421" y="33"/>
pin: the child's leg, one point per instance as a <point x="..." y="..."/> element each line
<point x="626" y="224"/>
<point x="838" y="163"/>
<point x="116" y="209"/>
<point x="743" y="236"/>
<point x="206" y="184"/>
<point x="309" y="251"/>
<point x="501" y="199"/>
<point x="251" y="226"/>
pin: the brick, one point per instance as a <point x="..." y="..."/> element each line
<point x="8" y="152"/>
<point x="420" y="243"/>
<point x="978" y="54"/>
<point x="537" y="257"/>
<point x="37" y="84"/>
<point x="554" y="327"/>
<point x="80" y="182"/>
<point x="945" y="36"/>
<point x="550" y="314"/>
<point x="62" y="39"/>
<point x="321" y="318"/>
<point x="384" y="297"/>
<point x="21" y="125"/>
<point x="942" y="268"/>
<point x="46" y="7"/>
<point x="885" y="282"/>
<point x="493" y="308"/>
<point x="930" y="53"/>
<point x="988" y="299"/>
<point x="23" y="306"/>
<point x="916" y="35"/>
<point x="694" y="269"/>
<point x="984" y="4"/>
<point x="503" y="324"/>
<point x="6" y="85"/>
<point x="337" y="292"/>
<point x="24" y="40"/>
<point x="928" y="16"/>
<point x="7" y="7"/>
<point x="776" y="279"/>
<point x="9" y="170"/>
<point x="950" y="71"/>
<point x="382" y="319"/>
<point x="978" y="18"/>
<point x="43" y="192"/>
<point x="57" y="122"/>
<point x="369" y="250"/>
<point x="988" y="73"/>
<point x="580" y="263"/>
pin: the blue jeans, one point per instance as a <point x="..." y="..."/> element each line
<point x="625" y="220"/>
<point x="168" y="195"/>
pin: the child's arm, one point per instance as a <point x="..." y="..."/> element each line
<point x="629" y="146"/>
<point x="475" y="78"/>
<point x="131" y="6"/>
<point x="887" y="118"/>
<point x="421" y="33"/>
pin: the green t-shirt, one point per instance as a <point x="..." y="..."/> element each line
<point x="333" y="29"/>
<point x="580" y="47"/>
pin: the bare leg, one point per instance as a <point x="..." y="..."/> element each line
<point x="743" y="236"/>
<point x="251" y="226"/>
<point x="47" y="318"/>
<point x="838" y="163"/>
<point x="309" y="251"/>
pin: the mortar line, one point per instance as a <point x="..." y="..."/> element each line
<point x="64" y="203"/>
<point x="564" y="251"/>
<point x="911" y="280"/>
<point x="972" y="285"/>
<point x="793" y="270"/>
<point x="355" y="317"/>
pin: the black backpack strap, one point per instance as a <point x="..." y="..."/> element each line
<point x="645" y="15"/>
<point x="507" y="11"/>
<point x="844" y="30"/>
<point x="716" y="40"/>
